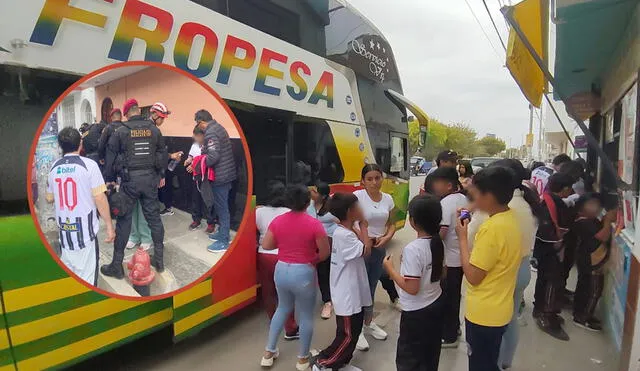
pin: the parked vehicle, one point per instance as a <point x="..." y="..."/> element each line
<point x="416" y="163"/>
<point x="480" y="163"/>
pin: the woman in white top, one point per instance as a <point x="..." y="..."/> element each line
<point x="319" y="209"/>
<point x="525" y="203"/>
<point x="267" y="259"/>
<point x="377" y="207"/>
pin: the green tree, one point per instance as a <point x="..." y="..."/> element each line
<point x="462" y="139"/>
<point x="414" y="136"/>
<point x="492" y="146"/>
<point x="435" y="142"/>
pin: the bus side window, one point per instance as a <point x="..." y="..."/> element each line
<point x="398" y="155"/>
<point x="315" y="155"/>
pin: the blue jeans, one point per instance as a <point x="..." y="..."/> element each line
<point x="375" y="270"/>
<point x="296" y="286"/>
<point x="512" y="335"/>
<point x="221" y="207"/>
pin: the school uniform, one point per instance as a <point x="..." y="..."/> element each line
<point x="452" y="284"/>
<point x="549" y="253"/>
<point x="350" y="293"/>
<point x="590" y="275"/>
<point x="421" y="321"/>
<point x="329" y="223"/>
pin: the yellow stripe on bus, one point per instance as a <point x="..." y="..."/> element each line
<point x="209" y="312"/>
<point x="194" y="293"/>
<point x="4" y="339"/>
<point x="42" y="293"/>
<point x="46" y="326"/>
<point x="10" y="367"/>
<point x="82" y="347"/>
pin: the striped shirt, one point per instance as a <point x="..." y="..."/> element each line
<point x="73" y="183"/>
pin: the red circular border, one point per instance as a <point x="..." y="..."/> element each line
<point x="247" y="156"/>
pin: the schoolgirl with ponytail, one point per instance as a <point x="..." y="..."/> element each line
<point x="421" y="298"/>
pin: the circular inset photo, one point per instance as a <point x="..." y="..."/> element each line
<point x="147" y="180"/>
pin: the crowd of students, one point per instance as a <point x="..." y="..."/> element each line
<point x="484" y="229"/>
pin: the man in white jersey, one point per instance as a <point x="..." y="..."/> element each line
<point x="540" y="176"/>
<point x="77" y="189"/>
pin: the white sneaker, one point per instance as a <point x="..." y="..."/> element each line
<point x="131" y="245"/>
<point x="327" y="308"/>
<point x="374" y="330"/>
<point x="362" y="343"/>
<point x="268" y="362"/>
<point x="146" y="246"/>
<point x="303" y="366"/>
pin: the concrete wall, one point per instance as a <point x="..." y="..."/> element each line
<point x="81" y="98"/>
<point x="182" y="95"/>
<point x="623" y="68"/>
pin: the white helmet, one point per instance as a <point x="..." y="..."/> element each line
<point x="160" y="109"/>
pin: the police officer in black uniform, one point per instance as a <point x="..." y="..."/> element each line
<point x="137" y="153"/>
<point x="116" y="123"/>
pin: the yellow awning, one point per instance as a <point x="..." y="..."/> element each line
<point x="532" y="16"/>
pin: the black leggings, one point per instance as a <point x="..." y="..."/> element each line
<point x="323" y="279"/>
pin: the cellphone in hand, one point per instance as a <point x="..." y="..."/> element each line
<point x="465" y="215"/>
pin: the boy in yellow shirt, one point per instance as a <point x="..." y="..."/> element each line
<point x="491" y="269"/>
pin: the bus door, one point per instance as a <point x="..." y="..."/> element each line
<point x="399" y="149"/>
<point x="267" y="133"/>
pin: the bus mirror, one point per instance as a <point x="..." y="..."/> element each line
<point x="423" y="136"/>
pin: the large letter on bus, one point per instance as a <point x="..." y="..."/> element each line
<point x="323" y="90"/>
<point x="129" y="29"/>
<point x="265" y="70"/>
<point x="295" y="70"/>
<point x="53" y="12"/>
<point x="230" y="58"/>
<point x="184" y="46"/>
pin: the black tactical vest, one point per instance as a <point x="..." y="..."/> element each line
<point x="141" y="143"/>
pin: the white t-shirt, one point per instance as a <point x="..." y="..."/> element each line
<point x="264" y="217"/>
<point x="376" y="213"/>
<point x="348" y="275"/>
<point x="195" y="150"/>
<point x="540" y="178"/>
<point x="450" y="205"/>
<point x="73" y="183"/>
<point x="416" y="264"/>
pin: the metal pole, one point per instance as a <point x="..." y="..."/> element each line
<point x="541" y="138"/>
<point x="561" y="124"/>
<point x="507" y="11"/>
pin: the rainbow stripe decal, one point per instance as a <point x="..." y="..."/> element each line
<point x="273" y="67"/>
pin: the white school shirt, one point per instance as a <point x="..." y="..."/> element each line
<point x="417" y="264"/>
<point x="264" y="217"/>
<point x="348" y="280"/>
<point x="450" y="205"/>
<point x="376" y="213"/>
<point x="195" y="150"/>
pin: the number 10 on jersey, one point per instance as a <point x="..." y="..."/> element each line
<point x="67" y="193"/>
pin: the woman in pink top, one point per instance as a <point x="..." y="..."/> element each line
<point x="301" y="242"/>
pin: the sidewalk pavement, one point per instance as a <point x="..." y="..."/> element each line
<point x="185" y="257"/>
